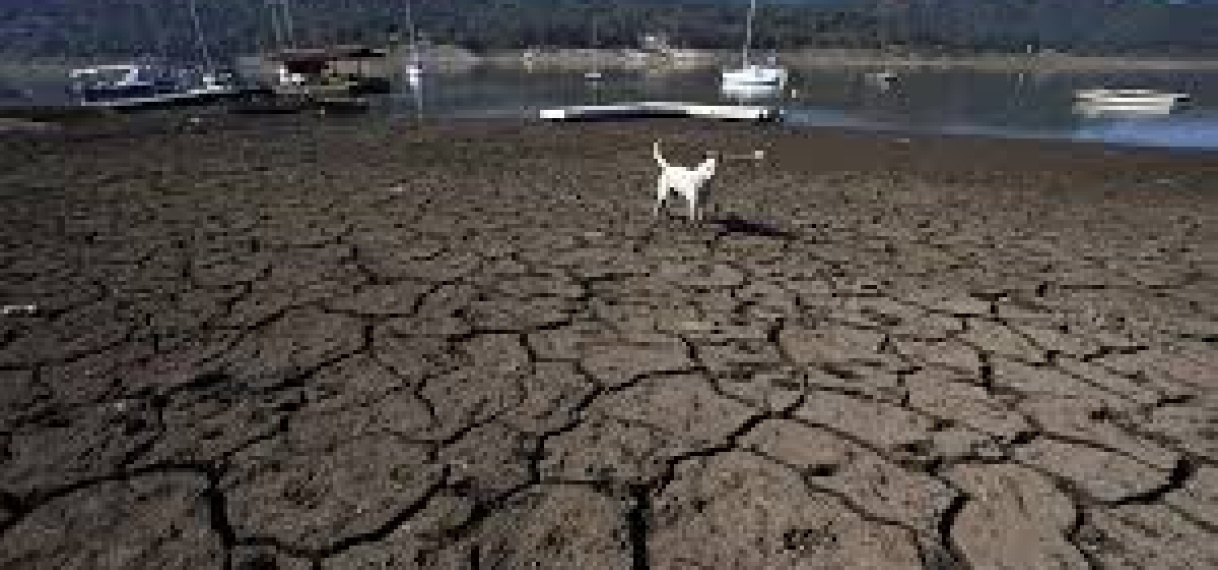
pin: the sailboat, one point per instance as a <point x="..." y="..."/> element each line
<point x="153" y="84"/>
<point x="884" y="79"/>
<point x="414" y="69"/>
<point x="595" y="74"/>
<point x="752" y="75"/>
<point x="213" y="82"/>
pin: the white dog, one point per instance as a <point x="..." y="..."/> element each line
<point x="693" y="184"/>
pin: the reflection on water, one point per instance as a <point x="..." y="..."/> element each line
<point x="1036" y="105"/>
<point x="1180" y="131"/>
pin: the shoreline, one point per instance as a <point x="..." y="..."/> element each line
<point x="55" y="121"/>
<point x="837" y="148"/>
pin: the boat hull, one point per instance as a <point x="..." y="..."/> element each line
<point x="162" y="100"/>
<point x="750" y="92"/>
<point x="1130" y="97"/>
<point x="1094" y="109"/>
<point x="755" y="76"/>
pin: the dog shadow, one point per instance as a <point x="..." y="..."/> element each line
<point x="733" y="224"/>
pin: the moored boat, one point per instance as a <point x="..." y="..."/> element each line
<point x="1131" y="97"/>
<point x="1127" y="102"/>
<point x="752" y="74"/>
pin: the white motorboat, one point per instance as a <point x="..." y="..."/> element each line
<point x="750" y="73"/>
<point x="1127" y="102"/>
<point x="1132" y="110"/>
<point x="1131" y="97"/>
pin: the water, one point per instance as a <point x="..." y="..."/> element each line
<point x="1002" y="104"/>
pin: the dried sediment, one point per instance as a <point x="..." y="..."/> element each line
<point x="299" y="343"/>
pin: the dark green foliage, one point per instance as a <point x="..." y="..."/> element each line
<point x="85" y="28"/>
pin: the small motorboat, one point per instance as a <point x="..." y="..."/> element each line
<point x="1109" y="109"/>
<point x="1127" y="102"/>
<point x="881" y="77"/>
<point x="1131" y="97"/>
<point x="106" y="84"/>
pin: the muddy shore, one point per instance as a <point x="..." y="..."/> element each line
<point x="303" y="343"/>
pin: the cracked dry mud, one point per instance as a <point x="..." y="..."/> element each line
<point x="287" y="344"/>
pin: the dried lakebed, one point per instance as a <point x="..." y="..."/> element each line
<point x="290" y="344"/>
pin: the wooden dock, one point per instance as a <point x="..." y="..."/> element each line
<point x="662" y="109"/>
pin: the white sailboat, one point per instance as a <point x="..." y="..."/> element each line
<point x="595" y="74"/>
<point x="138" y="85"/>
<point x="414" y="68"/>
<point x="751" y="74"/>
<point x="213" y="82"/>
<point x="885" y="78"/>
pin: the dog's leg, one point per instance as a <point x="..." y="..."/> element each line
<point x="661" y="195"/>
<point x="693" y="207"/>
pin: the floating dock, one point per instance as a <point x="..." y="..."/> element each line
<point x="662" y="109"/>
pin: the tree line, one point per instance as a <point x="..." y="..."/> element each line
<point x="92" y="28"/>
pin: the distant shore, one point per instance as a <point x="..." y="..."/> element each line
<point x="996" y="62"/>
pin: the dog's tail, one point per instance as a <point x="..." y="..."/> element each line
<point x="655" y="149"/>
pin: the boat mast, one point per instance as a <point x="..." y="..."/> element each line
<point x="277" y="40"/>
<point x="200" y="43"/>
<point x="279" y="23"/>
<point x="595" y="54"/>
<point x="288" y="23"/>
<point x="414" y="44"/>
<point x="281" y="18"/>
<point x="748" y="33"/>
<point x="154" y="26"/>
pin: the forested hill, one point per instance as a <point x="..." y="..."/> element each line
<point x="82" y="28"/>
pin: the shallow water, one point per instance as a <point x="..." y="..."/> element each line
<point x="1002" y="104"/>
<point x="1022" y="105"/>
